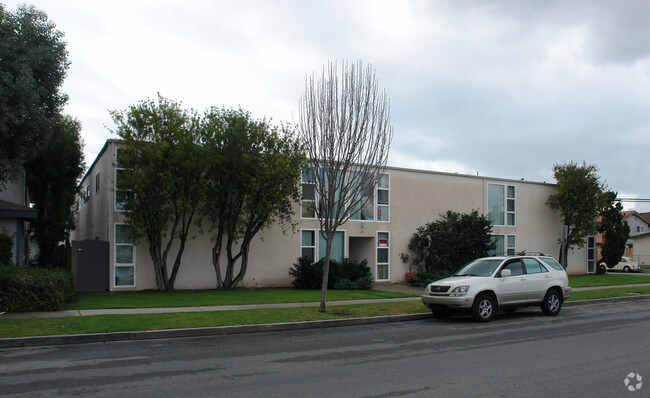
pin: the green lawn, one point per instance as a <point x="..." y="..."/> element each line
<point x="121" y="323"/>
<point x="609" y="293"/>
<point x="188" y="298"/>
<point x="118" y="323"/>
<point x="607" y="279"/>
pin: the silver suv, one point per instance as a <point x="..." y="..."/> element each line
<point x="487" y="284"/>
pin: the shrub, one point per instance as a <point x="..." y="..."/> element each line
<point x="307" y="274"/>
<point x="450" y="242"/>
<point x="347" y="274"/>
<point x="34" y="289"/>
<point x="6" y="245"/>
<point x="421" y="279"/>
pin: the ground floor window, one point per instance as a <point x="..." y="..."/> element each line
<point x="505" y="245"/>
<point x="383" y="256"/>
<point x="591" y="255"/>
<point x="124" y="254"/>
<point x="338" y="246"/>
<point x="309" y="245"/>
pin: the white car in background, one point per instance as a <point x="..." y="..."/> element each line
<point x="488" y="284"/>
<point x="626" y="265"/>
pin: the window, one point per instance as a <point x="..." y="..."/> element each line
<point x="338" y="246"/>
<point x="308" y="204"/>
<point x="122" y="195"/>
<point x="97" y="183"/>
<point x="501" y="204"/>
<point x="515" y="268"/>
<point x="640" y="229"/>
<point x="85" y="194"/>
<point x="308" y="244"/>
<point x="533" y="266"/>
<point x="124" y="256"/>
<point x="591" y="255"/>
<point x="383" y="256"/>
<point x="365" y="213"/>
<point x="505" y="245"/>
<point x="550" y="261"/>
<point x="383" y="198"/>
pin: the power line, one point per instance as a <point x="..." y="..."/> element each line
<point x="634" y="200"/>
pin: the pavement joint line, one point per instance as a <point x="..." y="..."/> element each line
<point x="18" y="342"/>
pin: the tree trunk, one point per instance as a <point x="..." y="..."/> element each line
<point x="326" y="271"/>
<point x="177" y="264"/>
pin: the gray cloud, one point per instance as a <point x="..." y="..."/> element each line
<point x="500" y="87"/>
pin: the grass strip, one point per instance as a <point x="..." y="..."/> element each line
<point x="190" y="298"/>
<point x="609" y="293"/>
<point x="123" y="323"/>
<point x="606" y="279"/>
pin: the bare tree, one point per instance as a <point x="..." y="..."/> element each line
<point x="344" y="122"/>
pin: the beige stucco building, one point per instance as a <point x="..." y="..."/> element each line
<point x="404" y="200"/>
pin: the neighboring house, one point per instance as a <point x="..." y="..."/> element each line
<point x="638" y="246"/>
<point x="641" y="253"/>
<point x="15" y="215"/>
<point x="638" y="224"/>
<point x="403" y="200"/>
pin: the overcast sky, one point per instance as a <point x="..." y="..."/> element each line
<point x="499" y="88"/>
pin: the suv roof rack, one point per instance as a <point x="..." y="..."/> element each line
<point x="524" y="253"/>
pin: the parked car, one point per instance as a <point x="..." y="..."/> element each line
<point x="488" y="284"/>
<point x="626" y="265"/>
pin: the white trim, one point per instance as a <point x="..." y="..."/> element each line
<point x="315" y="242"/>
<point x="377" y="205"/>
<point x="377" y="263"/>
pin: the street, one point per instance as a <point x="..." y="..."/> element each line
<point x="586" y="351"/>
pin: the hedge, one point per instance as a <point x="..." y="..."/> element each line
<point x="346" y="274"/>
<point x="34" y="289"/>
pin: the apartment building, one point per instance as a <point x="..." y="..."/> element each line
<point x="403" y="200"/>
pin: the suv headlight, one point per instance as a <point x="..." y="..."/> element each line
<point x="459" y="291"/>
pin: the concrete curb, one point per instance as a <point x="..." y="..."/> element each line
<point x="202" y="332"/>
<point x="244" y="329"/>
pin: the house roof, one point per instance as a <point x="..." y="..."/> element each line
<point x="646" y="216"/>
<point x="634" y="213"/>
<point x="14" y="210"/>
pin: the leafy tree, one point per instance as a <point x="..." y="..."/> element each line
<point x="615" y="231"/>
<point x="252" y="179"/>
<point x="163" y="165"/>
<point x="449" y="243"/>
<point x="33" y="64"/>
<point x="578" y="200"/>
<point x="51" y="173"/>
<point x="344" y="121"/>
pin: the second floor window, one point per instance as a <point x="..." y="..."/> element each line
<point x="501" y="205"/>
<point x="376" y="200"/>
<point x="308" y="204"/>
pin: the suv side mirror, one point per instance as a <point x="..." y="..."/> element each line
<point x="505" y="273"/>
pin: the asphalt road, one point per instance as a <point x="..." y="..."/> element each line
<point x="586" y="351"/>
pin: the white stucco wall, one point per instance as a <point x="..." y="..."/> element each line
<point x="416" y="197"/>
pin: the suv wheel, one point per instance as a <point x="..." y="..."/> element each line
<point x="483" y="308"/>
<point x="552" y="303"/>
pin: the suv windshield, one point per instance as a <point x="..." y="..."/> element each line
<point x="481" y="267"/>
